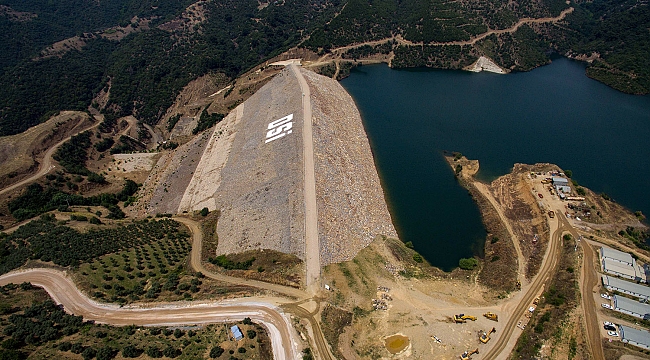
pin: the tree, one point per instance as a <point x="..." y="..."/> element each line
<point x="171" y="352"/>
<point x="205" y="211"/>
<point x="251" y="334"/>
<point x="216" y="351"/>
<point x="468" y="264"/>
<point x="154" y="352"/>
<point x="130" y="351"/>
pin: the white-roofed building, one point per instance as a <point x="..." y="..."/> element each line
<point x="634" y="336"/>
<point x="618" y="269"/>
<point x="631" y="307"/>
<point x="626" y="287"/>
<point x="615" y="255"/>
<point x="621" y="264"/>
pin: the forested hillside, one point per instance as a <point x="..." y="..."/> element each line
<point x="146" y="69"/>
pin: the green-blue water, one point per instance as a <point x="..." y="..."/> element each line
<point x="552" y="114"/>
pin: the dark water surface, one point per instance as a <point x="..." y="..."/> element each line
<point x="552" y="114"/>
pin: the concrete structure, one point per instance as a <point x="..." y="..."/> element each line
<point x="631" y="307"/>
<point x="634" y="336"/>
<point x="622" y="257"/>
<point x="626" y="287"/>
<point x="236" y="333"/>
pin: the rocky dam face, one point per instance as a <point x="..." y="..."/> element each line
<point x="250" y="167"/>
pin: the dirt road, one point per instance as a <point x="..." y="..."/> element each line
<point x="472" y="41"/>
<point x="521" y="271"/>
<point x="550" y="261"/>
<point x="590" y="280"/>
<point x="197" y="265"/>
<point x="322" y="347"/>
<point x="63" y="291"/>
<point x="46" y="165"/>
<point x="312" y="245"/>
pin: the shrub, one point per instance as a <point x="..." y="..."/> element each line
<point x="205" y="211"/>
<point x="468" y="264"/>
<point x="418" y="258"/>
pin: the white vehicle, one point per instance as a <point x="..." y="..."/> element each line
<point x="606" y="306"/>
<point x="612" y="333"/>
<point x="608" y="323"/>
<point x="605" y="296"/>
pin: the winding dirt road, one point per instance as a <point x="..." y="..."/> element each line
<point x="400" y="40"/>
<point x="46" y="165"/>
<point x="197" y="265"/>
<point x="63" y="291"/>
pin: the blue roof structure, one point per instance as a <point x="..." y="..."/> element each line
<point x="236" y="333"/>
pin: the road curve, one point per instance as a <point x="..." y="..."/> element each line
<point x="63" y="291"/>
<point x="46" y="164"/>
<point x="549" y="264"/>
<point x="197" y="265"/>
<point x="312" y="244"/>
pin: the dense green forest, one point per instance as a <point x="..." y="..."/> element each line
<point x="147" y="69"/>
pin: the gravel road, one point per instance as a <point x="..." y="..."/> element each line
<point x="64" y="292"/>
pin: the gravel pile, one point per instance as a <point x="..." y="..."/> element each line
<point x="352" y="210"/>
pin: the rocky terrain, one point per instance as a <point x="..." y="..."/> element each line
<point x="351" y="205"/>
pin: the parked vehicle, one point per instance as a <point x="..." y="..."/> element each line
<point x="612" y="333"/>
<point x="608" y="323"/>
<point x="605" y="296"/>
<point x="609" y="327"/>
<point x="606" y="306"/>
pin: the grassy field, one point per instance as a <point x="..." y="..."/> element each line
<point x="31" y="327"/>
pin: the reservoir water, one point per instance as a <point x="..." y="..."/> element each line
<point x="552" y="114"/>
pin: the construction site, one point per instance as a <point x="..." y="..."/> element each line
<point x="289" y="170"/>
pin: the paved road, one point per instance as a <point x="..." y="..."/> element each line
<point x="550" y="262"/>
<point x="63" y="291"/>
<point x="312" y="244"/>
<point x="46" y="165"/>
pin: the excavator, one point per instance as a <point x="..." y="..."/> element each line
<point x="462" y="318"/>
<point x="491" y="316"/>
<point x="483" y="337"/>
<point x="467" y="355"/>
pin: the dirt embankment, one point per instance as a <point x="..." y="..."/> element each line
<point x="499" y="271"/>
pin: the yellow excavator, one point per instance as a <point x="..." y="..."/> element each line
<point x="461" y="318"/>
<point x="491" y="316"/>
<point x="468" y="354"/>
<point x="484" y="338"/>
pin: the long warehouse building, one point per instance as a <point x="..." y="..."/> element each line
<point x="626" y="287"/>
<point x="631" y="307"/>
<point x="635" y="337"/>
